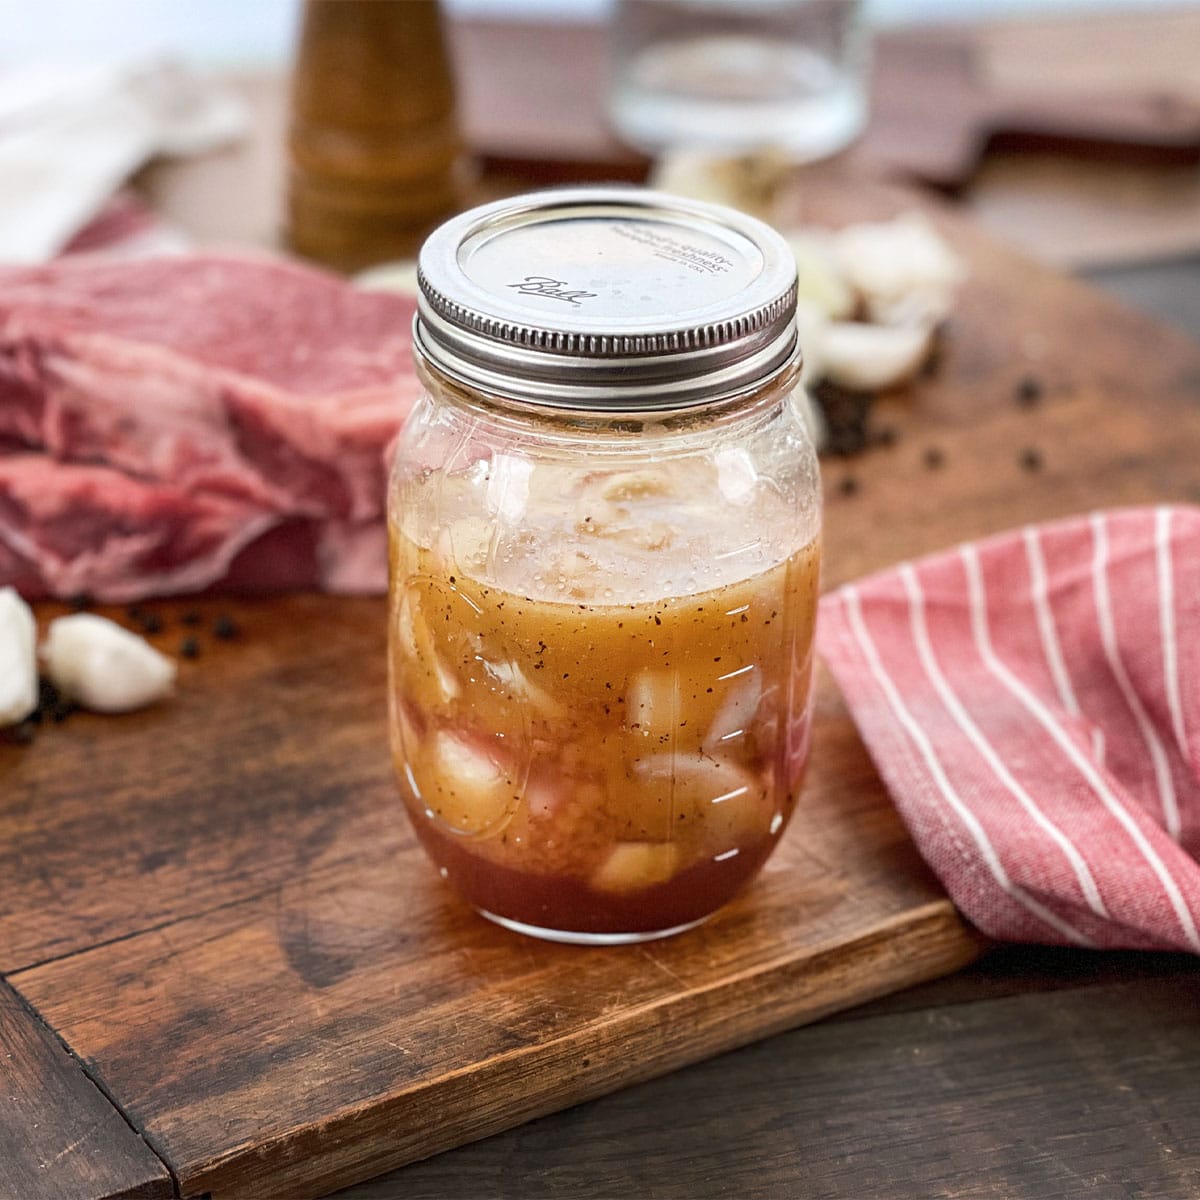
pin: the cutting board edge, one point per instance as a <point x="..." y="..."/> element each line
<point x="357" y="1144"/>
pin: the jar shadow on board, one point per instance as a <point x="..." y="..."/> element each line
<point x="605" y="538"/>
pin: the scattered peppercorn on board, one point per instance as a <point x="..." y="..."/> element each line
<point x="218" y="906"/>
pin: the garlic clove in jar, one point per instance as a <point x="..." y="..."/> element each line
<point x="104" y="667"/>
<point x="631" y="866"/>
<point x="465" y="785"/>
<point x="18" y="658"/>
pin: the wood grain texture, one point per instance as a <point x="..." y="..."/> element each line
<point x="1086" y="1092"/>
<point x="59" y="1136"/>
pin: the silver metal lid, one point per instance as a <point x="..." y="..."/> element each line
<point x="607" y="298"/>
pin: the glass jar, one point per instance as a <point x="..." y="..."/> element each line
<point x="605" y="525"/>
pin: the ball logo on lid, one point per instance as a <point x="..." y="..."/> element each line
<point x="546" y="285"/>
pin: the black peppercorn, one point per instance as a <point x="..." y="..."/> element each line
<point x="52" y="704"/>
<point x="1029" y="391"/>
<point x="189" y="648"/>
<point x="151" y="623"/>
<point x="225" y="628"/>
<point x="847" y="418"/>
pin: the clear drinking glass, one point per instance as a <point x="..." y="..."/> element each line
<point x="736" y="75"/>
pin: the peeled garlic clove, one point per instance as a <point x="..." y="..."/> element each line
<point x="733" y="719"/>
<point x="820" y="282"/>
<point x="509" y="676"/>
<point x="104" y="667"/>
<point x="465" y="786"/>
<point x="631" y="866"/>
<point x="750" y="182"/>
<point x="18" y="658"/>
<point x="655" y="703"/>
<point x="695" y="176"/>
<point x="892" y="259"/>
<point x="416" y="640"/>
<point x="927" y="305"/>
<point x="868" y="357"/>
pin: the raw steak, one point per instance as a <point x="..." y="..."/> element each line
<point x="253" y="377"/>
<point x="68" y="529"/>
<point x="174" y="425"/>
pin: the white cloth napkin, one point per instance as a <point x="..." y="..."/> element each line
<point x="70" y="136"/>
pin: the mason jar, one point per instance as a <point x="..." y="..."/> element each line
<point x="605" y="518"/>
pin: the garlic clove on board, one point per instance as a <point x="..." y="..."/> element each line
<point x="891" y="262"/>
<point x="750" y="182"/>
<point x="103" y="666"/>
<point x="868" y="357"/>
<point x="819" y="280"/>
<point x="18" y="658"/>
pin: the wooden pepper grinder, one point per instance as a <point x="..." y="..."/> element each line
<point x="376" y="161"/>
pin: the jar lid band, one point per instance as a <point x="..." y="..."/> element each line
<point x="607" y="298"/>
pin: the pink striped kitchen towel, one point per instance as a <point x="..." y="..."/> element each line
<point x="1032" y="702"/>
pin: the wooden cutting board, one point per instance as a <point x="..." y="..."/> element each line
<point x="215" y="921"/>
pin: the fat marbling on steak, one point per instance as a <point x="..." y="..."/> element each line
<point x="172" y="424"/>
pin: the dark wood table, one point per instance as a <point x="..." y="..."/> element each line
<point x="1034" y="1073"/>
